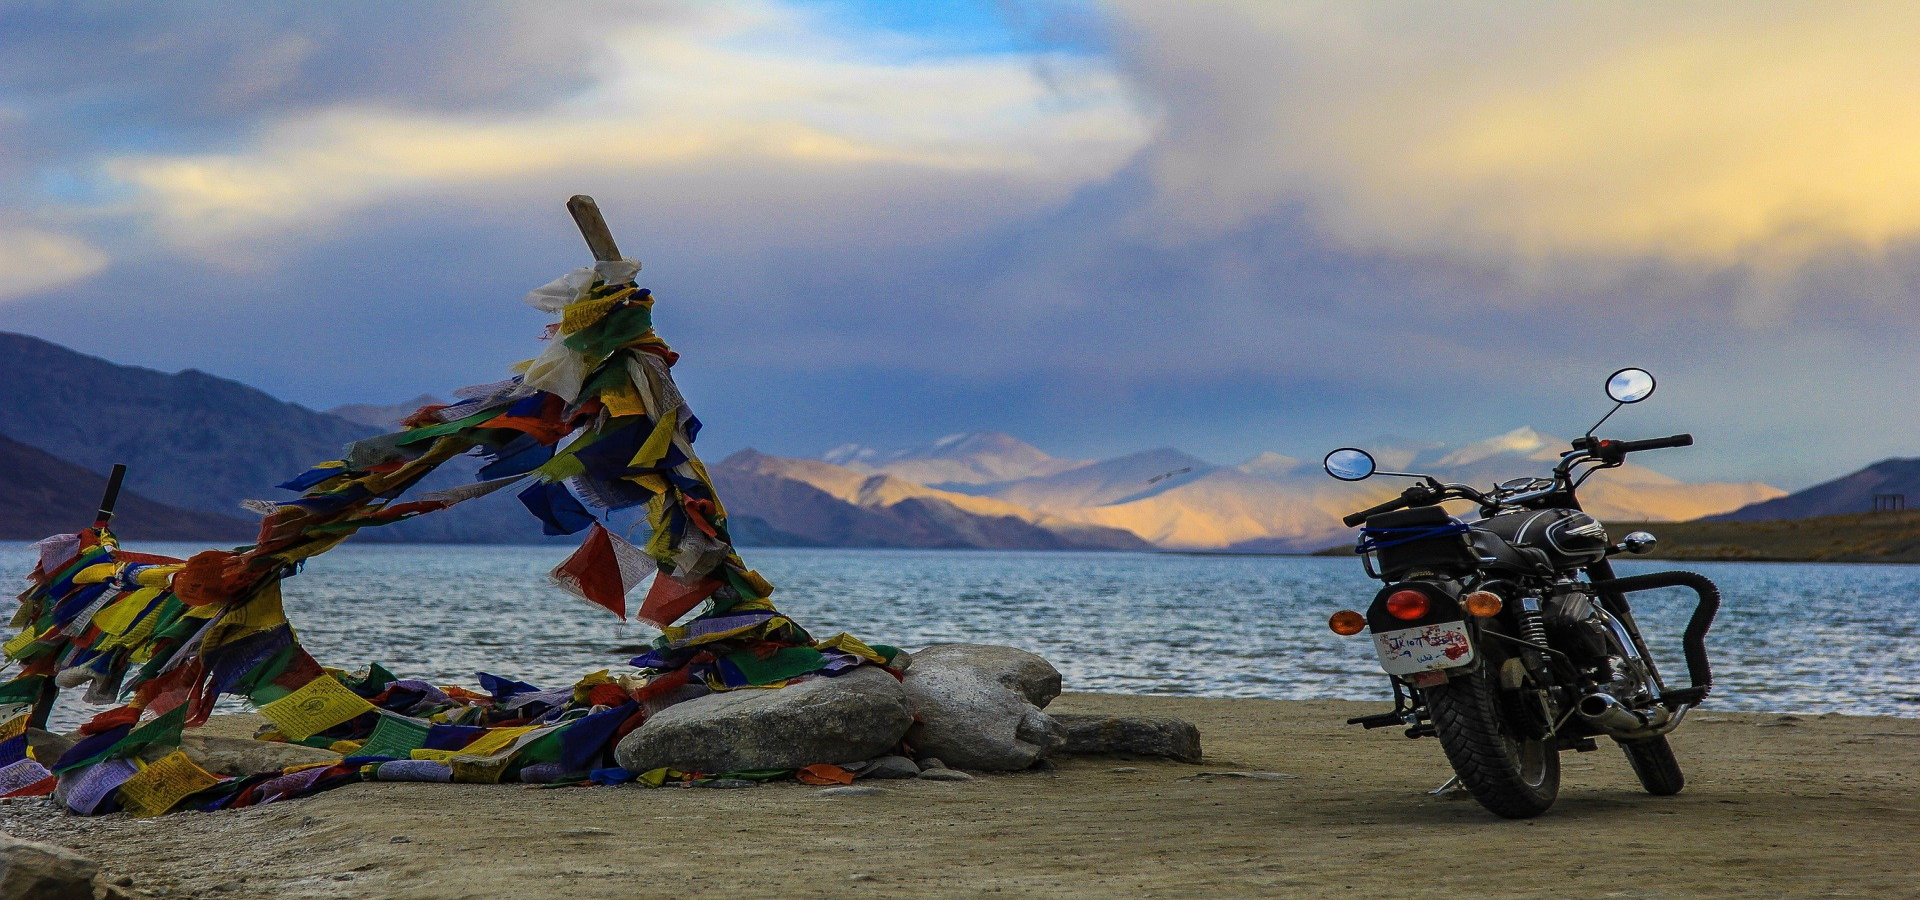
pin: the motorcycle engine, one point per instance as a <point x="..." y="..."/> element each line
<point x="1573" y="622"/>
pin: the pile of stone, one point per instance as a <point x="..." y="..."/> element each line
<point x="958" y="707"/>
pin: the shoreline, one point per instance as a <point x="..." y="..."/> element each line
<point x="1777" y="806"/>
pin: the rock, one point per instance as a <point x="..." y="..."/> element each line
<point x="33" y="871"/>
<point x="851" y="790"/>
<point x="1026" y="674"/>
<point x="979" y="706"/>
<point x="728" y="783"/>
<point x="945" y="775"/>
<point x="47" y="746"/>
<point x="890" y="767"/>
<point x="1162" y="736"/>
<point x="858" y="715"/>
<point x="931" y="762"/>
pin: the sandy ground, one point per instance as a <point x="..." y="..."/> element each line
<point x="1777" y="806"/>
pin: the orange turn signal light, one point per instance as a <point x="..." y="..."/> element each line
<point x="1408" y="604"/>
<point x="1482" y="603"/>
<point x="1347" y="623"/>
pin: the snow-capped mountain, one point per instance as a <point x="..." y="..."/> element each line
<point x="980" y="457"/>
<point x="1273" y="502"/>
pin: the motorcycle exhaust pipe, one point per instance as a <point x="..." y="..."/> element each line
<point x="1615" y="718"/>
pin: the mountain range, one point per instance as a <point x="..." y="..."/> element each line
<point x="198" y="444"/>
<point x="1270" y="503"/>
<point x="1842" y="496"/>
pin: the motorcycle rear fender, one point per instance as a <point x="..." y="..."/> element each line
<point x="1408" y="647"/>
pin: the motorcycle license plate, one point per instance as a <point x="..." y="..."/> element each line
<point x="1423" y="649"/>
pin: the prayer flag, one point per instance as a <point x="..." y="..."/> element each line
<point x="603" y="570"/>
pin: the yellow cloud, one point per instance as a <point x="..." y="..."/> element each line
<point x="32" y="261"/>
<point x="1704" y="132"/>
<point x="755" y="89"/>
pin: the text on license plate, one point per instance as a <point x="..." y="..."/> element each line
<point x="1423" y="649"/>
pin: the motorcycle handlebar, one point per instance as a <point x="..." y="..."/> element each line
<point x="1678" y="440"/>
<point x="1387" y="507"/>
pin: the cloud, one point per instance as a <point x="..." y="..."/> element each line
<point x="1708" y="134"/>
<point x="747" y="89"/>
<point x="32" y="261"/>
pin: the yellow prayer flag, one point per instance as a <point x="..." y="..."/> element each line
<point x="317" y="706"/>
<point x="156" y="576"/>
<point x="655" y="777"/>
<point x="19" y="642"/>
<point x="623" y="400"/>
<point x="433" y="755"/>
<point x="657" y="444"/>
<point x="479" y="769"/>
<point x="495" y="740"/>
<point x="158" y="786"/>
<point x="847" y="643"/>
<point x="96" y="573"/>
<point x="119" y="615"/>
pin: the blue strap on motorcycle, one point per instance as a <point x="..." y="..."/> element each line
<point x="1372" y="539"/>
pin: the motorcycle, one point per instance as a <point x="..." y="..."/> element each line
<point x="1509" y="637"/>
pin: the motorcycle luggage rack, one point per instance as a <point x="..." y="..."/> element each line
<point x="1694" y="642"/>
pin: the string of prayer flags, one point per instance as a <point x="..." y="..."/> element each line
<point x="591" y="426"/>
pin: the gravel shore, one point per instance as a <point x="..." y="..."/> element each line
<point x="1776" y="806"/>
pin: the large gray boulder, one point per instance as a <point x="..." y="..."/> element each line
<point x="851" y="717"/>
<point x="34" y="871"/>
<point x="979" y="706"/>
<point x="1162" y="736"/>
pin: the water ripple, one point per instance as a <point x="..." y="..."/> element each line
<point x="1791" y="637"/>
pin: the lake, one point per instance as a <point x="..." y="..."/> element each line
<point x="1805" y="638"/>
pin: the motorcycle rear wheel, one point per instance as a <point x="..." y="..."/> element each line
<point x="1653" y="763"/>
<point x="1513" y="776"/>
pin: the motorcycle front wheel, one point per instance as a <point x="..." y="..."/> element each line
<point x="1653" y="763"/>
<point x="1513" y="776"/>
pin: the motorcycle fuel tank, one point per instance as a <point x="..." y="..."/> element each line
<point x="1568" y="537"/>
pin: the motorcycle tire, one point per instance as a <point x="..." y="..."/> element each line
<point x="1654" y="765"/>
<point x="1513" y="777"/>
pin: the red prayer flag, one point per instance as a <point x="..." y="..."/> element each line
<point x="603" y="570"/>
<point x="670" y="598"/>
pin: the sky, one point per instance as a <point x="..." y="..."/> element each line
<point x="1227" y="227"/>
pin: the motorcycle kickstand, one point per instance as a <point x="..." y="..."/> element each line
<point x="1453" y="784"/>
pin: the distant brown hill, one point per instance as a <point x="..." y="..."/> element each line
<point x="1890" y="537"/>
<point x="42" y="495"/>
<point x="800" y="502"/>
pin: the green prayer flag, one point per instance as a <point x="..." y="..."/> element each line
<point x="612" y="332"/>
<point x="456" y="426"/>
<point x="164" y="730"/>
<point x="787" y="662"/>
<point x="394" y="736"/>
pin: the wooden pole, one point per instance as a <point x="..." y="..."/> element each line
<point x="593" y="227"/>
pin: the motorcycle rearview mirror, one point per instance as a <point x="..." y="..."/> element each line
<point x="1349" y="464"/>
<point x="1629" y="385"/>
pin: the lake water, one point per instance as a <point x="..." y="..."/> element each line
<point x="1805" y="638"/>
